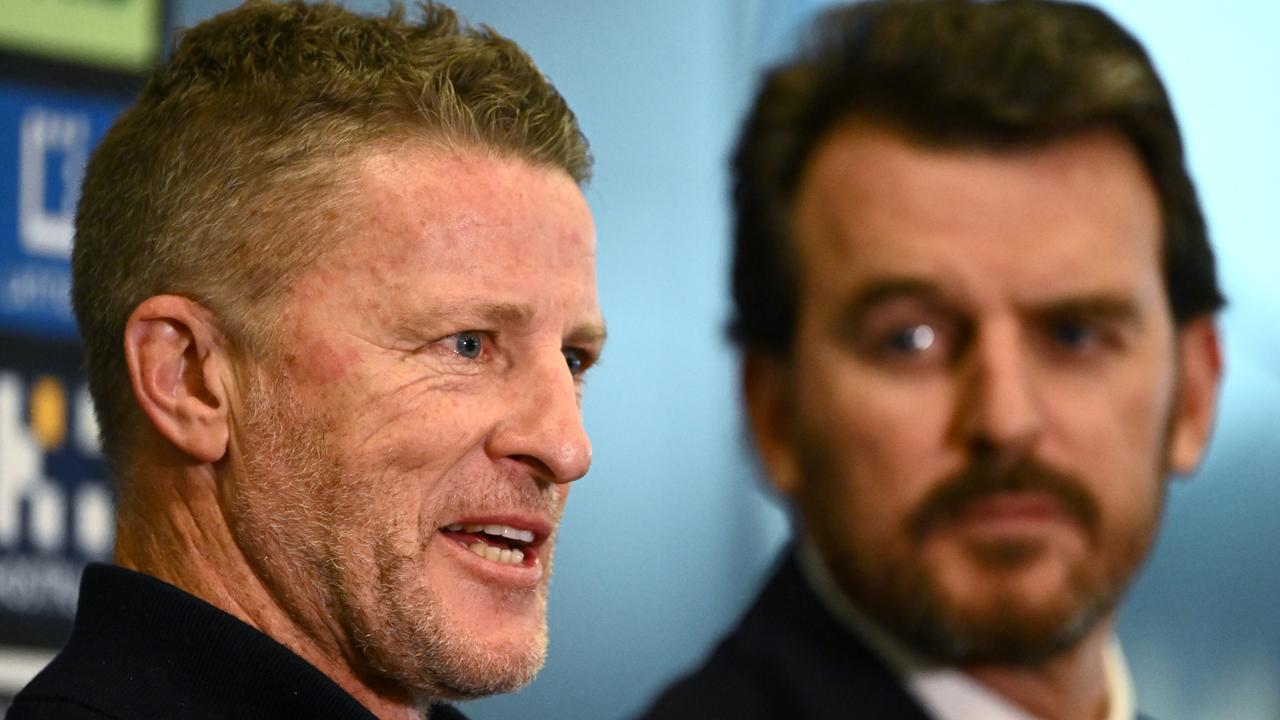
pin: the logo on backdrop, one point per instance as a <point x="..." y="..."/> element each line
<point x="53" y="148"/>
<point x="56" y="509"/>
<point x="45" y="139"/>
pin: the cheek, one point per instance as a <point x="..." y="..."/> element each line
<point x="433" y="431"/>
<point x="1114" y="434"/>
<point x="397" y="419"/>
<point x="321" y="363"/>
<point x="883" y="442"/>
<point x="412" y="453"/>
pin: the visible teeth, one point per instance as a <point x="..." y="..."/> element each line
<point x="496" y="530"/>
<point x="509" y="532"/>
<point x="521" y="535"/>
<point x="499" y="555"/>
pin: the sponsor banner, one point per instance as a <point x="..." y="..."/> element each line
<point x="45" y="139"/>
<point x="56" y="508"/>
<point x="113" y="34"/>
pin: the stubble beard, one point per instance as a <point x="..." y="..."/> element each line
<point x="301" y="521"/>
<point x="898" y="588"/>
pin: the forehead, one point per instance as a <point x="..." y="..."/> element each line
<point x="421" y="223"/>
<point x="1029" y="222"/>
<point x="463" y="203"/>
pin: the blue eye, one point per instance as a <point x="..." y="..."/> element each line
<point x="577" y="365"/>
<point x="914" y="339"/>
<point x="468" y="344"/>
<point x="1071" y="334"/>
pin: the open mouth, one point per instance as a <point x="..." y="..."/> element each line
<point x="502" y="544"/>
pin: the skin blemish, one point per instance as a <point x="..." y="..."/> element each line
<point x="324" y="361"/>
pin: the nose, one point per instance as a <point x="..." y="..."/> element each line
<point x="543" y="427"/>
<point x="998" y="411"/>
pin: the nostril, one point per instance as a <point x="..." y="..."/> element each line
<point x="537" y="467"/>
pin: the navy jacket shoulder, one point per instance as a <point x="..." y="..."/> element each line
<point x="788" y="658"/>
<point x="141" y="648"/>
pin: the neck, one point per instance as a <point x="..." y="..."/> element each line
<point x="1069" y="686"/>
<point x="172" y="525"/>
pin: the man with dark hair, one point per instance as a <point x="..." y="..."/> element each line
<point x="975" y="301"/>
<point x="335" y="278"/>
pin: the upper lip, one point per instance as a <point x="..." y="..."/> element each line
<point x="517" y="527"/>
<point x="1019" y="502"/>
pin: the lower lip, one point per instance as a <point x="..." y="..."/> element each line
<point x="516" y="575"/>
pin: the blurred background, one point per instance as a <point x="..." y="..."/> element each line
<point x="667" y="539"/>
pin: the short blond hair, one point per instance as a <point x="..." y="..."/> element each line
<point x="219" y="183"/>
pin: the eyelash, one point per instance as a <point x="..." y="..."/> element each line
<point x="584" y="358"/>
<point x="482" y="337"/>
<point x="896" y="345"/>
<point x="1092" y="335"/>
<point x="912" y="342"/>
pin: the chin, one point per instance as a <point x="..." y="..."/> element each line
<point x="458" y="666"/>
<point x="1019" y="615"/>
<point x="456" y="644"/>
<point x="486" y="668"/>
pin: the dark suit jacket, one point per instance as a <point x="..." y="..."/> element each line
<point x="141" y="648"/>
<point x="789" y="658"/>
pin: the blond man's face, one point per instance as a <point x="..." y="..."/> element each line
<point x="404" y="457"/>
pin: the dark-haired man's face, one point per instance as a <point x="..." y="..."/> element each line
<point x="986" y="388"/>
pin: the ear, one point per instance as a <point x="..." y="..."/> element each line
<point x="178" y="361"/>
<point x="766" y="386"/>
<point x="1199" y="376"/>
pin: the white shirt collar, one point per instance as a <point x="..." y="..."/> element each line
<point x="945" y="692"/>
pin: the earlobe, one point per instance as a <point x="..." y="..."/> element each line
<point x="176" y="358"/>
<point x="1199" y="377"/>
<point x="767" y="390"/>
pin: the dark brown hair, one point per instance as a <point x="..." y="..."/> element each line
<point x="219" y="183"/>
<point x="956" y="73"/>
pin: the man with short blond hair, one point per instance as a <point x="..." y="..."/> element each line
<point x="975" y="301"/>
<point x="335" y="278"/>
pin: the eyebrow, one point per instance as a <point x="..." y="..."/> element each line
<point x="1110" y="306"/>
<point x="886" y="290"/>
<point x="501" y="314"/>
<point x="592" y="333"/>
<point x="1104" y="306"/>
<point x="479" y="312"/>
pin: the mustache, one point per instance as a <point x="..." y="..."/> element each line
<point x="984" y="478"/>
<point x="503" y="493"/>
